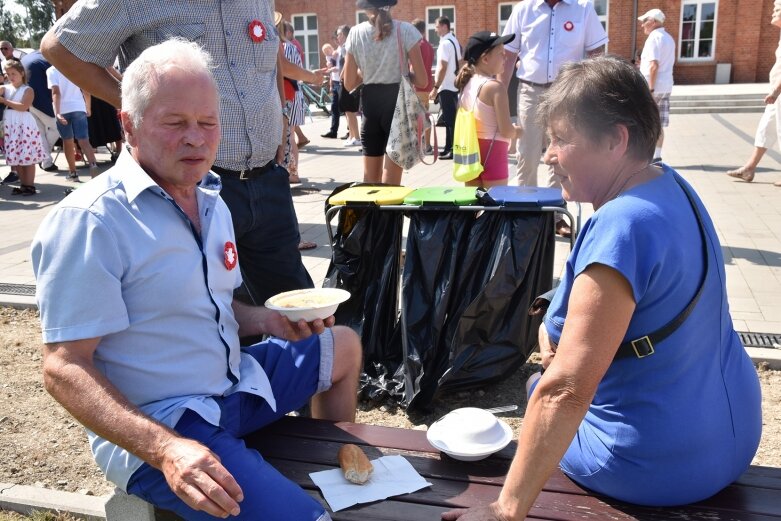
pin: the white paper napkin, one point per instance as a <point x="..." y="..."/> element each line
<point x="392" y="475"/>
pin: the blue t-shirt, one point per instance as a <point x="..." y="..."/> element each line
<point x="683" y="423"/>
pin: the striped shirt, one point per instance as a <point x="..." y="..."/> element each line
<point x="97" y="31"/>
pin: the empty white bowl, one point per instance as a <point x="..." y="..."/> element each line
<point x="469" y="434"/>
<point x="308" y="304"/>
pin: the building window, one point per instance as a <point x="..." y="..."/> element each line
<point x="505" y="10"/>
<point x="360" y="17"/>
<point x="305" y="26"/>
<point x="698" y="30"/>
<point x="600" y="6"/>
<point x="432" y="13"/>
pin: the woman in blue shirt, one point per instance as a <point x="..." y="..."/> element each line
<point x="672" y="420"/>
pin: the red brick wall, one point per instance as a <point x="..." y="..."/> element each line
<point x="744" y="36"/>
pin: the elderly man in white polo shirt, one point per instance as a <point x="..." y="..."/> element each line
<point x="656" y="64"/>
<point x="548" y="34"/>
<point x="136" y="273"/>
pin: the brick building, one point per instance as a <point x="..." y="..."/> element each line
<point x="736" y="35"/>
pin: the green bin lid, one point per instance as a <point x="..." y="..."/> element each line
<point x="371" y="194"/>
<point x="443" y="195"/>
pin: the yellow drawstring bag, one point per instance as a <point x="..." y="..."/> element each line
<point x="466" y="148"/>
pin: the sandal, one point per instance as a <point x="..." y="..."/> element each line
<point x="306" y="245"/>
<point x="24" y="190"/>
<point x="294" y="179"/>
<point x="304" y="142"/>
<point x="743" y="173"/>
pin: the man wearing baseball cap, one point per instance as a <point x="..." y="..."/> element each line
<point x="656" y="64"/>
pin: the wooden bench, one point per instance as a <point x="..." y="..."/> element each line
<point x="298" y="446"/>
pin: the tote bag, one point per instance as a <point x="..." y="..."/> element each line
<point x="405" y="147"/>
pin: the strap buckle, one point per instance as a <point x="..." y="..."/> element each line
<point x="243" y="175"/>
<point x="643" y="347"/>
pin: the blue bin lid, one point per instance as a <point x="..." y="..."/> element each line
<point x="442" y="195"/>
<point x="526" y="196"/>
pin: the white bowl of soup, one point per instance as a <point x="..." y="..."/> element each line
<point x="308" y="304"/>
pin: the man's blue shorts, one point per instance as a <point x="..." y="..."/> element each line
<point x="77" y="126"/>
<point x="294" y="370"/>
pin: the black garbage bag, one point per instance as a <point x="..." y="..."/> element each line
<point x="504" y="261"/>
<point x="436" y="247"/>
<point x="366" y="262"/>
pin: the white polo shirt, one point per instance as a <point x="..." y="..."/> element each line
<point x="119" y="260"/>
<point x="548" y="38"/>
<point x="659" y="46"/>
<point x="448" y="51"/>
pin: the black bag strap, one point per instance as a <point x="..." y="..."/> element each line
<point x="456" y="52"/>
<point x="644" y="346"/>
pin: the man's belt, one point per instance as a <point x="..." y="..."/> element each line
<point x="244" y="174"/>
<point x="543" y="85"/>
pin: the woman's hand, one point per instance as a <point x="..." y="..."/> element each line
<point x="490" y="512"/>
<point x="62" y="119"/>
<point x="547" y="348"/>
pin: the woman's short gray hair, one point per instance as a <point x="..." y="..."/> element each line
<point x="143" y="76"/>
<point x="596" y="94"/>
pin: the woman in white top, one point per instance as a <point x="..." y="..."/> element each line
<point x="373" y="60"/>
<point x="487" y="97"/>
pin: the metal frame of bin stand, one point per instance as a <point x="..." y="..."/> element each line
<point x="422" y="380"/>
<point x="574" y="223"/>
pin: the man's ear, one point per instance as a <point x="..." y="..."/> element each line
<point x="127" y="127"/>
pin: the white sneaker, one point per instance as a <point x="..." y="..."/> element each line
<point x="351" y="142"/>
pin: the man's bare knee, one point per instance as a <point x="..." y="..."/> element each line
<point x="347" y="352"/>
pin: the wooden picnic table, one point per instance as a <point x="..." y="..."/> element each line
<point x="298" y="446"/>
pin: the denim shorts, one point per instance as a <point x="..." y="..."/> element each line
<point x="77" y="126"/>
<point x="296" y="371"/>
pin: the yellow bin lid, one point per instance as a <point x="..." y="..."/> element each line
<point x="371" y="194"/>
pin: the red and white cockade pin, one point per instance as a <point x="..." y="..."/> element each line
<point x="231" y="257"/>
<point x="569" y="26"/>
<point x="257" y="31"/>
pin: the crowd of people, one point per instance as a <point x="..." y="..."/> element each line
<point x="151" y="278"/>
<point x="41" y="108"/>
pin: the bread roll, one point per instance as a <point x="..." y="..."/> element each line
<point x="355" y="465"/>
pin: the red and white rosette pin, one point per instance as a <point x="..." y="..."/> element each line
<point x="230" y="255"/>
<point x="257" y="31"/>
<point x="568" y="26"/>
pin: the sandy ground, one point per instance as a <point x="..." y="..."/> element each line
<point x="40" y="444"/>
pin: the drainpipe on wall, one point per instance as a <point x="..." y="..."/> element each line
<point x="634" y="30"/>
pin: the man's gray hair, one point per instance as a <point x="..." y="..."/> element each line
<point x="143" y="76"/>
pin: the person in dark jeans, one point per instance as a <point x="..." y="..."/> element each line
<point x="448" y="56"/>
<point x="332" y="63"/>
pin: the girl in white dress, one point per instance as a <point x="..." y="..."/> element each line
<point x="23" y="145"/>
